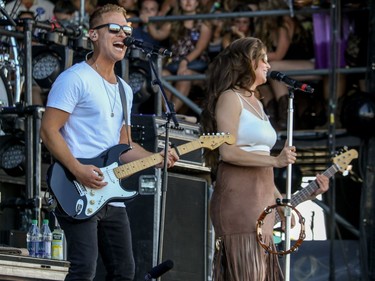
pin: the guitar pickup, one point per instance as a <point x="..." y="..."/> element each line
<point x="147" y="185"/>
<point x="80" y="188"/>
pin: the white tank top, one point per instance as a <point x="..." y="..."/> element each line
<point x="254" y="134"/>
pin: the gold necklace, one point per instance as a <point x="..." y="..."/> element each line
<point x="112" y="106"/>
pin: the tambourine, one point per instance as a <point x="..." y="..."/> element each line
<point x="260" y="222"/>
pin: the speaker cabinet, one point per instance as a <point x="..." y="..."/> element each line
<point x="186" y="229"/>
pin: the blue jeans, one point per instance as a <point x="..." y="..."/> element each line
<point x="107" y="233"/>
<point x="195" y="65"/>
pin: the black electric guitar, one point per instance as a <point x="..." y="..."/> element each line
<point x="340" y="163"/>
<point x="81" y="202"/>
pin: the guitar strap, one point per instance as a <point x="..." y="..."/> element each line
<point x="124" y="105"/>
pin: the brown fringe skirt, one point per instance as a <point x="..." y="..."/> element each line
<point x="240" y="196"/>
<point x="239" y="257"/>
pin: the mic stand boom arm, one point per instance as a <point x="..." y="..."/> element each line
<point x="170" y="114"/>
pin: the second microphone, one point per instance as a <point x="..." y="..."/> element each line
<point x="147" y="47"/>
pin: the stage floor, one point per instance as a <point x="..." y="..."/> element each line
<point x="22" y="268"/>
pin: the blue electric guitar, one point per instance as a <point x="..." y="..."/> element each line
<point x="81" y="202"/>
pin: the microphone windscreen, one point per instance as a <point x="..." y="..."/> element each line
<point x="128" y="41"/>
<point x="160" y="269"/>
<point x="274" y="75"/>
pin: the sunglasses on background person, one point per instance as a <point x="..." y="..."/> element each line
<point x="116" y="28"/>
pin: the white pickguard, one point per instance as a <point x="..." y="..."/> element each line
<point x="96" y="198"/>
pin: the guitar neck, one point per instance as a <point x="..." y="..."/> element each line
<point x="306" y="192"/>
<point x="131" y="168"/>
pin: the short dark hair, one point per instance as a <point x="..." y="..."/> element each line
<point x="64" y="6"/>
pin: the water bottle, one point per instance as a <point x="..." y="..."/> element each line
<point x="33" y="239"/>
<point x="57" y="243"/>
<point x="46" y="240"/>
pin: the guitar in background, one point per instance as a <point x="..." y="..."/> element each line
<point x="341" y="162"/>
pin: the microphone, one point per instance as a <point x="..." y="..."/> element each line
<point x="159" y="270"/>
<point x="148" y="47"/>
<point x="275" y="75"/>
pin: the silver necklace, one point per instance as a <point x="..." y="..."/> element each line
<point x="112" y="106"/>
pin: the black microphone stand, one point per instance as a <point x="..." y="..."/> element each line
<point x="170" y="114"/>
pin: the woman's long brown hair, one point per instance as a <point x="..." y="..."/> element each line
<point x="231" y="69"/>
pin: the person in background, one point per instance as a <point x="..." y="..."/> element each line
<point x="140" y="73"/>
<point x="290" y="47"/>
<point x="216" y="43"/>
<point x="89" y="8"/>
<point x="149" y="8"/>
<point x="84" y="117"/>
<point x="129" y="5"/>
<point x="132" y="10"/>
<point x="64" y="12"/>
<point x="241" y="26"/>
<point x="188" y="42"/>
<point x="243" y="172"/>
<point x="42" y="9"/>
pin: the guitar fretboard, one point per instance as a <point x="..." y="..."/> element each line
<point x="306" y="192"/>
<point x="133" y="167"/>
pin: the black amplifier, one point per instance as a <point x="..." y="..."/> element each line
<point x="149" y="131"/>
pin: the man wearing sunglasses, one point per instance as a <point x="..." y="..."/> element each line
<point x="84" y="117"/>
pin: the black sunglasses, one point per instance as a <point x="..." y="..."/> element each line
<point x="116" y="28"/>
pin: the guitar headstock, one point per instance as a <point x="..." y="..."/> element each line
<point x="215" y="140"/>
<point x="343" y="159"/>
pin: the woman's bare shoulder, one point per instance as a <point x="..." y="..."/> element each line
<point x="229" y="98"/>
